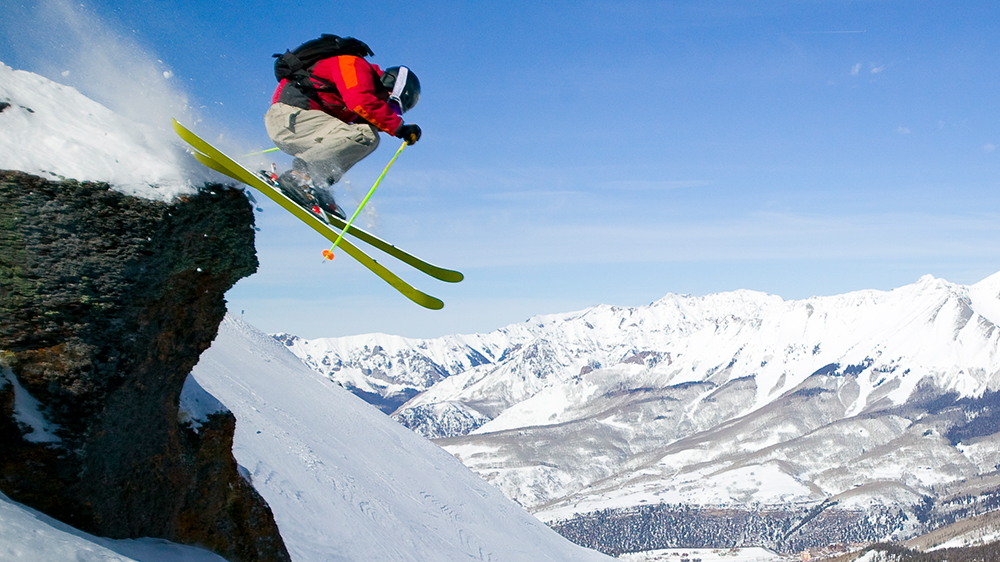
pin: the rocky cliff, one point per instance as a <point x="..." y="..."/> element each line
<point x="106" y="303"/>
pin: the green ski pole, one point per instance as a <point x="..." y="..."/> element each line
<point x="274" y="149"/>
<point x="328" y="254"/>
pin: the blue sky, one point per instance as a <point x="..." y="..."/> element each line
<point x="582" y="153"/>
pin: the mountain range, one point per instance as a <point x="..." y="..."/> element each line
<point x="872" y="398"/>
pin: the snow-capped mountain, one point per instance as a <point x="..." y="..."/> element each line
<point x="732" y="398"/>
<point x="389" y="370"/>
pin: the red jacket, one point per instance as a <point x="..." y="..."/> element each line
<point x="356" y="98"/>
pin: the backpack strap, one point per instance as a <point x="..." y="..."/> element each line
<point x="302" y="88"/>
<point x="306" y="81"/>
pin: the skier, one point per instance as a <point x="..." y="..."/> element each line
<point x="329" y="118"/>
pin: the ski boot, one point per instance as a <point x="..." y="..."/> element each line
<point x="328" y="204"/>
<point x="298" y="188"/>
<point x="270" y="176"/>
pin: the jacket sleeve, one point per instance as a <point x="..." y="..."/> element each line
<point x="355" y="79"/>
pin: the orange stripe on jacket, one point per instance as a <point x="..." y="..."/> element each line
<point x="367" y="116"/>
<point x="348" y="71"/>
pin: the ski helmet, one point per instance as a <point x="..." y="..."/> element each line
<point x="403" y="84"/>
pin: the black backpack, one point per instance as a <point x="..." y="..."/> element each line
<point x="295" y="65"/>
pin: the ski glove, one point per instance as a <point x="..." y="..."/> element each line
<point x="409" y="133"/>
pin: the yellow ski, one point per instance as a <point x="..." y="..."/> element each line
<point x="218" y="161"/>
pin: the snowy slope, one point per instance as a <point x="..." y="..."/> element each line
<point x="29" y="536"/>
<point x="54" y="131"/>
<point x="347" y="483"/>
<point x="975" y="531"/>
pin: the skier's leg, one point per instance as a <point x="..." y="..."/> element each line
<point x="296" y="183"/>
<point x="281" y="124"/>
<point x="324" y="145"/>
<point x="334" y="146"/>
<point x="329" y="146"/>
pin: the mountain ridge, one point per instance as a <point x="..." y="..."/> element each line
<point x="346" y="359"/>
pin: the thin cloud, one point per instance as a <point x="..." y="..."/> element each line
<point x="988" y="147"/>
<point x="653" y="185"/>
<point x="903" y="130"/>
<point x="872" y="68"/>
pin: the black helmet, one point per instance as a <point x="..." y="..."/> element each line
<point x="403" y="84"/>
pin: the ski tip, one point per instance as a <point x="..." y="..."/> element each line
<point x="181" y="130"/>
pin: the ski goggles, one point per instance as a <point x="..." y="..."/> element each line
<point x="395" y="98"/>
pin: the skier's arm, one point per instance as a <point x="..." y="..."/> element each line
<point x="357" y="88"/>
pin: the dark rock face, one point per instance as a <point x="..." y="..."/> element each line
<point x="106" y="303"/>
